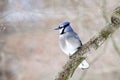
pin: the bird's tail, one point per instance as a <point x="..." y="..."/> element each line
<point x="84" y="65"/>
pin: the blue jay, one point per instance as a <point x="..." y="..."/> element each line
<point x="70" y="42"/>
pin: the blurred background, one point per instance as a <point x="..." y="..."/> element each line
<point x="29" y="48"/>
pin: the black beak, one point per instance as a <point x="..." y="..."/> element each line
<point x="57" y="28"/>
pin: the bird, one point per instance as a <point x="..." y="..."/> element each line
<point x="70" y="42"/>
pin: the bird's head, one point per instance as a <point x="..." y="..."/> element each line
<point x="64" y="27"/>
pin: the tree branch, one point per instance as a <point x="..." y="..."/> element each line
<point x="93" y="43"/>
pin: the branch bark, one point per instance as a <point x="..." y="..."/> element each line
<point x="94" y="43"/>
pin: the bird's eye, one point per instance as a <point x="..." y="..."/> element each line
<point x="60" y="27"/>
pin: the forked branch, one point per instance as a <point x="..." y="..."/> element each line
<point x="94" y="43"/>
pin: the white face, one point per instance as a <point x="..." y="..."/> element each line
<point x="60" y="30"/>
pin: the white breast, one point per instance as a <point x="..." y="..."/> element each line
<point x="67" y="47"/>
<point x="70" y="48"/>
<point x="69" y="43"/>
